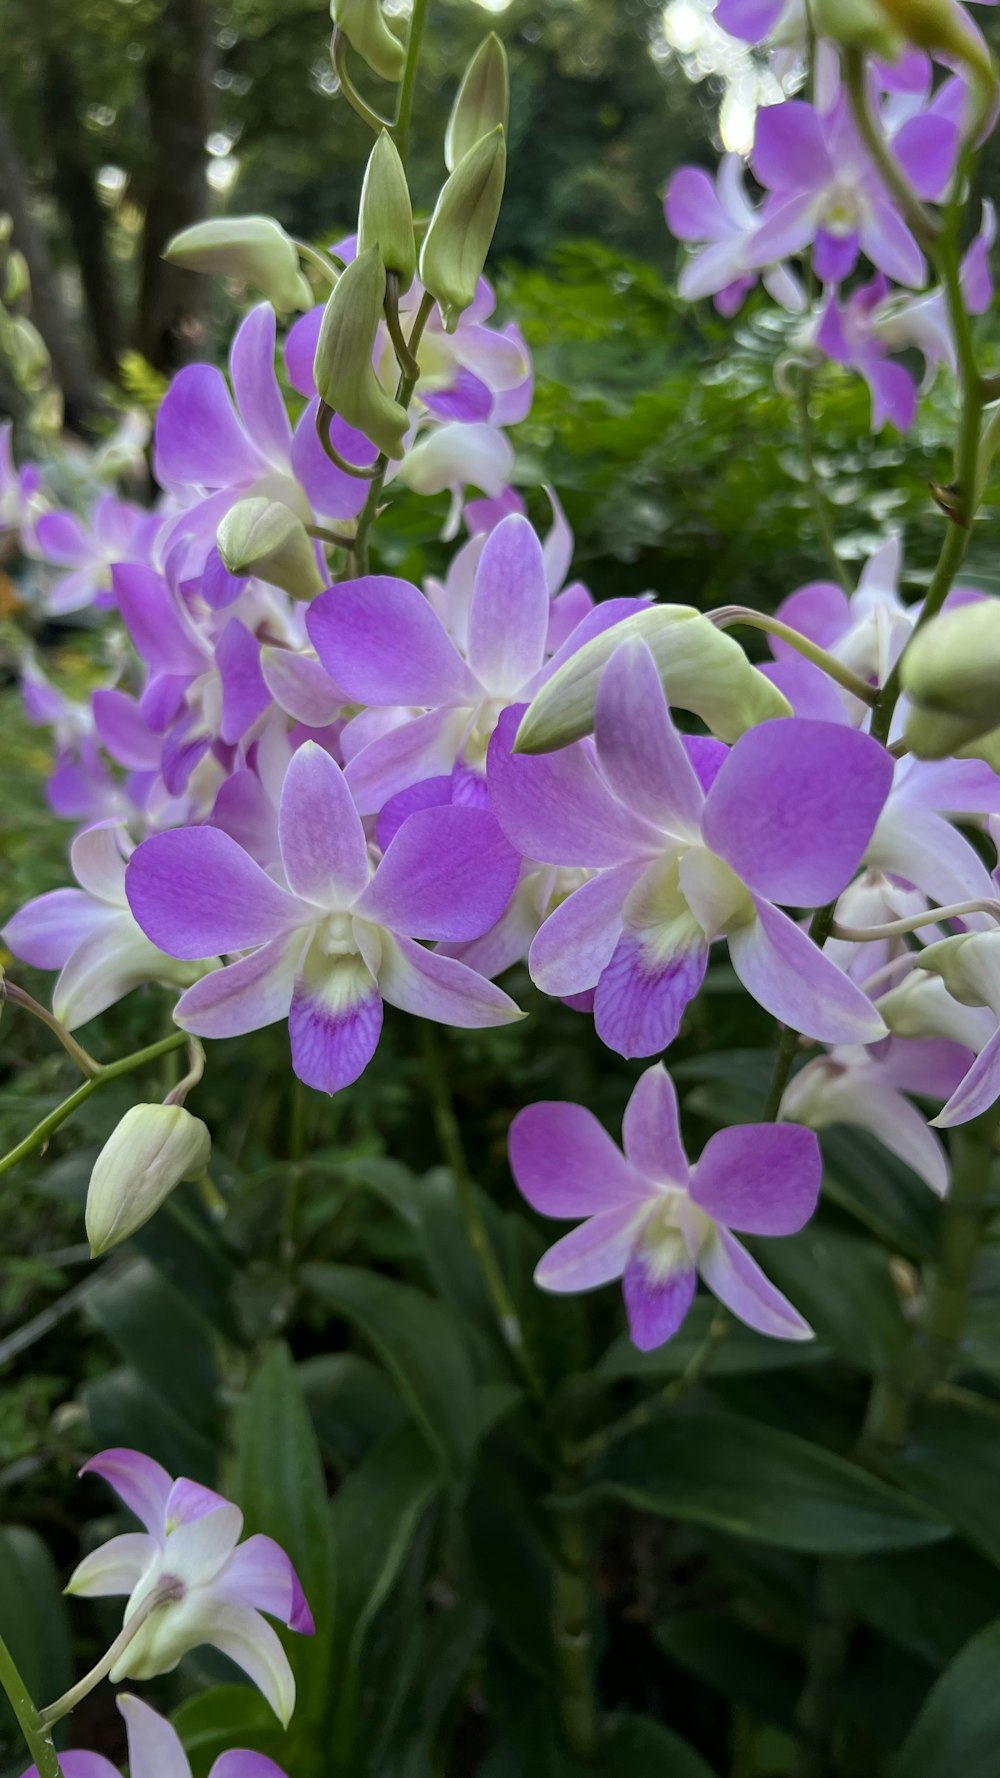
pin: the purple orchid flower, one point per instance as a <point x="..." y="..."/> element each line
<point x="720" y="221"/>
<point x="434" y="704"/>
<point x="155" y="1751"/>
<point x="655" y="1221"/>
<point x="867" y="1088"/>
<point x="19" y="488"/>
<point x="326" y="950"/>
<point x="89" y="934"/>
<point x="214" y="1588"/>
<point x="788" y="813"/>
<point x="826" y="193"/>
<point x="117" y="531"/>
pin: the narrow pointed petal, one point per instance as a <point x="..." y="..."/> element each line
<point x="323" y="846"/>
<point x="139" y="1481"/>
<point x="593" y="1254"/>
<point x="191" y="1500"/>
<point x="900" y="1128"/>
<point x="261" y="1577"/>
<point x="790" y="977"/>
<point x="153" y="618"/>
<point x="425" y="747"/>
<point x="565" y="1163"/>
<point x="380" y="639"/>
<point x="121" y="727"/>
<point x="656" y="1304"/>
<point x="642" y="756"/>
<point x="432" y="986"/>
<point x="977" y="1092"/>
<point x="116" y="1567"/>
<point x="642" y="994"/>
<point x="577" y="941"/>
<point x="197" y="1550"/>
<point x="794" y="807"/>
<point x="246" y="995"/>
<point x="739" y="1283"/>
<point x="651" y="1128"/>
<point x="557" y="807"/>
<point x="252" y="1644"/>
<point x="245" y="696"/>
<point x="251" y="366"/>
<point x="46" y="931"/>
<point x="509" y="612"/>
<point x="154" y="1747"/>
<point x="335" y="1021"/>
<point x="301" y="686"/>
<point x="105" y="966"/>
<point x="448" y="873"/>
<point x="97" y="861"/>
<point x="925" y="850"/>
<point x="199" y="440"/>
<point x="196" y="893"/>
<point x="762" y="1179"/>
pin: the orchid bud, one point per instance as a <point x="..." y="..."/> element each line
<point x="462" y="226"/>
<point x="968" y="964"/>
<point x="886" y="27"/>
<point x="345" y="375"/>
<point x="481" y="103"/>
<point x="255" y="249"/>
<point x="951" y="674"/>
<point x="702" y="669"/>
<point x="385" y="219"/>
<point x="364" y="25"/>
<point x="265" y="538"/>
<point x="17" y="279"/>
<point x="147" y="1154"/>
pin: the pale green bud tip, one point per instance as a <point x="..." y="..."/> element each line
<point x="385" y="219"/>
<point x="462" y="226"/>
<point x="147" y="1154"/>
<point x="345" y="375"/>
<point x="367" y="31"/>
<point x="481" y="103"/>
<point x="951" y="674"/>
<point x="265" y="538"/>
<point x="702" y="669"/>
<point x="254" y="249"/>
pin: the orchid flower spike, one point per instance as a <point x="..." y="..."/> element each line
<point x="216" y="1587"/>
<point x="655" y="1221"/>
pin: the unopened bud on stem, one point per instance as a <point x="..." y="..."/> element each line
<point x="481" y="103"/>
<point x="255" y="249"/>
<point x="462" y="227"/>
<point x="345" y="374"/>
<point x="385" y="219"/>
<point x="364" y="25"/>
<point x="147" y="1154"/>
<point x="265" y="538"/>
<point x="951" y="674"/>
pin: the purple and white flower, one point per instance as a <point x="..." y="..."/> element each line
<point x="155" y="1751"/>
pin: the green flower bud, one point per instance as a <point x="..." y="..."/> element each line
<point x="255" y="249"/>
<point x="701" y="667"/>
<point x="17" y="279"/>
<point x="265" y="538"/>
<point x="462" y="226"/>
<point x="147" y="1154"/>
<point x="951" y="674"/>
<point x="481" y="103"/>
<point x="345" y="375"/>
<point x="385" y="219"/>
<point x="885" y="27"/>
<point x="364" y="25"/>
<point x="968" y="964"/>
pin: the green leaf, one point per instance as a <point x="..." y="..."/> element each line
<point x="162" y="1339"/>
<point x="741" y="1663"/>
<point x="181" y="1242"/>
<point x="929" y="1601"/>
<point x="753" y="1481"/>
<point x="224" y="1716"/>
<point x="884" y="1194"/>
<point x="352" y="1403"/>
<point x="421" y="1346"/>
<point x="281" y="1489"/>
<point x="958" y="1729"/>
<point x="641" y="1748"/>
<point x="123" y="1410"/>
<point x="741" y="1352"/>
<point x="33" y="1618"/>
<point x="953" y="1463"/>
<point x="376" y="1517"/>
<point x="841" y="1284"/>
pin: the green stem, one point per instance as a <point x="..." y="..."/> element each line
<point x="54" y="1713"/>
<point x="16" y="996"/>
<point x="826" y="1650"/>
<point x="404" y="113"/>
<point x="112" y="1071"/>
<point x="325" y="417"/>
<point x="404" y="395"/>
<point x="821" y="514"/>
<point x="921" y="222"/>
<point x="453" y="1149"/>
<point x="372" y="118"/>
<point x="652" y="1406"/>
<point x="321" y="262"/>
<point x="38" y="1737"/>
<point x="934" y="1342"/>
<point x="725" y="616"/>
<point x="571" y="1630"/>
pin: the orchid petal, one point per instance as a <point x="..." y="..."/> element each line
<point x="115" y="1567"/>
<point x="739" y="1283"/>
<point x="379" y="638"/>
<point x="260" y="1576"/>
<point x="323" y="846"/>
<point x="651" y="1129"/>
<point x="196" y="893"/>
<point x="792" y="979"/>
<point x="656" y="1302"/>
<point x="433" y="986"/>
<point x="154" y="1747"/>
<point x="244" y="996"/>
<point x="138" y="1480"/>
<point x="335" y="1020"/>
<point x="46" y="931"/>
<point x="509" y="612"/>
<point x="557" y="807"/>
<point x="565" y="1163"/>
<point x="258" y="398"/>
<point x="592" y="1254"/>
<point x="762" y="1179"/>
<point x="577" y="941"/>
<point x="642" y="756"/>
<point x="447" y="874"/>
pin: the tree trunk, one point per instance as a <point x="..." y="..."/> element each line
<point x="72" y="365"/>
<point x="172" y="302"/>
<point x="81" y="207"/>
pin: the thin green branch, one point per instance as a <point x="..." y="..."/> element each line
<point x="373" y="118"/>
<point x="112" y="1071"/>
<point x="16" y="996"/>
<point x="162" y="1595"/>
<point x="38" y="1737"/>
<point x="404" y="395"/>
<point x="921" y="222"/>
<point x="325" y="417"/>
<point x="726" y="616"/>
<point x="401" y="127"/>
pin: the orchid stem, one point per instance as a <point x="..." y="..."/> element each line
<point x="920" y="220"/>
<point x="112" y="1071"/>
<point x="728" y="615"/>
<point x="453" y="1149"/>
<point x="648" y="1410"/>
<point x="37" y="1734"/>
<point x="321" y="262"/>
<point x="325" y="417"/>
<point x="860" y="935"/>
<point x="54" y="1713"/>
<point x="401" y="127"/>
<point x="16" y="996"/>
<point x="571" y="1629"/>
<point x="374" y="119"/>
<point x="404" y="395"/>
